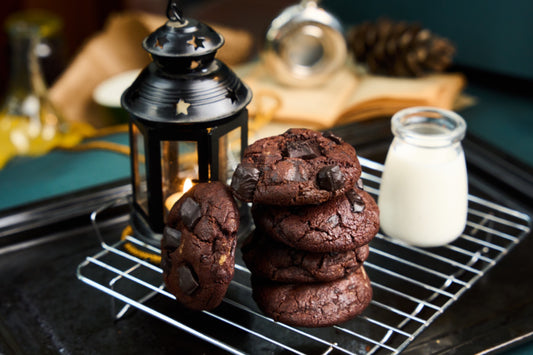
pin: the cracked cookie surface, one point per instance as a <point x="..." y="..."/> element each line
<point x="316" y="304"/>
<point x="276" y="261"/>
<point x="198" y="245"/>
<point x="343" y="223"/>
<point x="298" y="167"/>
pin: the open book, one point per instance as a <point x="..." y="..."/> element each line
<point x="348" y="96"/>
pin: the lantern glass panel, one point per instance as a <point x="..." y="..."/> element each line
<point x="179" y="162"/>
<point x="139" y="169"/>
<point x="229" y="154"/>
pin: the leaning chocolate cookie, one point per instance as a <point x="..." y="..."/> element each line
<point x="314" y="304"/>
<point x="276" y="261"/>
<point x="198" y="245"/>
<point x="298" y="167"/>
<point x="344" y="223"/>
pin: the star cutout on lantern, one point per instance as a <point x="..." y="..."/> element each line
<point x="195" y="64"/>
<point x="231" y="95"/>
<point x="160" y="42"/>
<point x="182" y="107"/>
<point x="196" y="42"/>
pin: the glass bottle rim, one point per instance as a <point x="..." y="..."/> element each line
<point x="429" y="127"/>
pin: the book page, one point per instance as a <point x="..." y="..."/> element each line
<point x="315" y="106"/>
<point x="349" y="96"/>
<point x="378" y="96"/>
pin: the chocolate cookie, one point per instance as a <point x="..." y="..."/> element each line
<point x="343" y="223"/>
<point x="315" y="304"/>
<point x="298" y="167"/>
<point x="276" y="261"/>
<point x="198" y="245"/>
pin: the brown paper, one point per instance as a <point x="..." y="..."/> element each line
<point x="116" y="49"/>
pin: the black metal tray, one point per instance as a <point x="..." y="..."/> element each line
<point x="45" y="309"/>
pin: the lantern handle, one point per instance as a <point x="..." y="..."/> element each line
<point x="174" y="11"/>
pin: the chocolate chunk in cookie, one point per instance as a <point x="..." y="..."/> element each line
<point x="244" y="181"/>
<point x="303" y="149"/>
<point x="172" y="238"/>
<point x="298" y="167"/>
<point x="360" y="184"/>
<point x="333" y="137"/>
<point x="330" y="178"/>
<point x="188" y="282"/>
<point x="341" y="224"/>
<point x="315" y="304"/>
<point x="190" y="212"/>
<point x="276" y="261"/>
<point x="198" y="245"/>
<point x="358" y="204"/>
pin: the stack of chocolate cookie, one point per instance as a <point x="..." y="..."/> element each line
<point x="313" y="225"/>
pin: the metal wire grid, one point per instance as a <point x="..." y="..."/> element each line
<point x="412" y="286"/>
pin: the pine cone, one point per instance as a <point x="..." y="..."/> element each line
<point x="399" y="48"/>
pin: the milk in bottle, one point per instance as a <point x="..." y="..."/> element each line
<point x="424" y="192"/>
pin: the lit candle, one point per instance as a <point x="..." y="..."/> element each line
<point x="172" y="199"/>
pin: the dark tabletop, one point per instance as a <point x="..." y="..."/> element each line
<point x="45" y="233"/>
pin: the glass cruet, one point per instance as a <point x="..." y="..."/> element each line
<point x="29" y="123"/>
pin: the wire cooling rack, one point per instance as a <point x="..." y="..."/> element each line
<point x="412" y="287"/>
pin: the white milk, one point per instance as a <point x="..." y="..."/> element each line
<point x="424" y="192"/>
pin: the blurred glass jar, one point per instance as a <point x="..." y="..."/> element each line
<point x="423" y="197"/>
<point x="304" y="45"/>
<point x="29" y="124"/>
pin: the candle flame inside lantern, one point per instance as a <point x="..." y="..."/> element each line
<point x="172" y="199"/>
<point x="187" y="185"/>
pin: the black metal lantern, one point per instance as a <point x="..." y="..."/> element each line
<point x="188" y="119"/>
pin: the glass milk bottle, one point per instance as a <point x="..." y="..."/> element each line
<point x="424" y="190"/>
